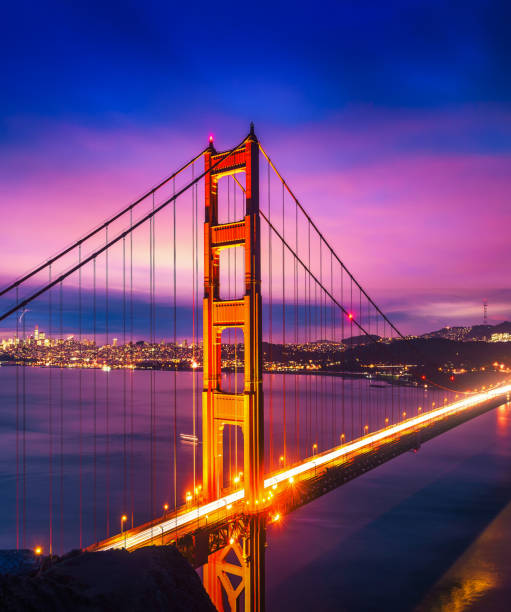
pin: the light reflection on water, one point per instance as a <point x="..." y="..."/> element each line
<point x="425" y="532"/>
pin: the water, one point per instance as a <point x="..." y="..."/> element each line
<point x="429" y="531"/>
<point x="426" y="531"/>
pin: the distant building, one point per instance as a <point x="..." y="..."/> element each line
<point x="502" y="337"/>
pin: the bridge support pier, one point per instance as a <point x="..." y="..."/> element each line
<point x="234" y="577"/>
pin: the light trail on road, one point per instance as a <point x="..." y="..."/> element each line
<point x="168" y="525"/>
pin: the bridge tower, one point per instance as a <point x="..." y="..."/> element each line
<point x="219" y="408"/>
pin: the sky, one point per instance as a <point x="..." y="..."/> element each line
<point x="391" y="121"/>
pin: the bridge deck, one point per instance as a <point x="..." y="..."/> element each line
<point x="208" y="526"/>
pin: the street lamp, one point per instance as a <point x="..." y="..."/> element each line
<point x="314" y="448"/>
<point x="124" y="518"/>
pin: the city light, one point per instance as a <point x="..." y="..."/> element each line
<point x="38" y="550"/>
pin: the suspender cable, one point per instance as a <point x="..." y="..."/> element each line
<point x="124" y="385"/>
<point x="343" y="427"/>
<point x="151" y="371"/>
<point x="352" y="385"/>
<point x="284" y="330"/>
<point x="175" y="347"/>
<point x="80" y="397"/>
<point x="360" y="404"/>
<point x="132" y="374"/>
<point x="95" y="400"/>
<point x="50" y="419"/>
<point x="295" y="292"/>
<point x="321" y="338"/>
<point x="309" y="337"/>
<point x="194" y="380"/>
<point x="107" y="388"/>
<point x="270" y="322"/>
<point x="61" y="428"/>
<point x="24" y="439"/>
<point x="333" y="396"/>
<point x="18" y="354"/>
<point x="235" y="341"/>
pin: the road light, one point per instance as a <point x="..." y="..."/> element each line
<point x="124" y="518"/>
<point x="165" y="509"/>
<point x="314" y="449"/>
<point x="38" y="551"/>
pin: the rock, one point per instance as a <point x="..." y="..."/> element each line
<point x="18" y="562"/>
<point x="151" y="578"/>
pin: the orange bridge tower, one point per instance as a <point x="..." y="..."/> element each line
<point x="234" y="576"/>
<point x="244" y="410"/>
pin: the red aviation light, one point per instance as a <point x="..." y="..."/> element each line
<point x="350" y="316"/>
<point x="211" y="139"/>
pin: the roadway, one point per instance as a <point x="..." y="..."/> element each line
<point x="188" y="520"/>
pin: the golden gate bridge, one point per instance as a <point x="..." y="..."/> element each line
<point x="269" y="428"/>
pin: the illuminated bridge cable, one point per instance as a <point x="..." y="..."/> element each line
<point x="50" y="418"/>
<point x="124" y="385"/>
<point x="175" y="347"/>
<point x="24" y="440"/>
<point x="132" y="359"/>
<point x="100" y="227"/>
<point x="284" y="331"/>
<point x="80" y="400"/>
<point x="346" y="270"/>
<point x="322" y="238"/>
<point x="94" y="402"/>
<point x="312" y="275"/>
<point x="107" y="387"/>
<point x="61" y="415"/>
<point x="17" y="430"/>
<point x="151" y="371"/>
<point x="21" y="304"/>
<point x="270" y="322"/>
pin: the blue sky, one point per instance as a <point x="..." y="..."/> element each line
<point x="397" y="107"/>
